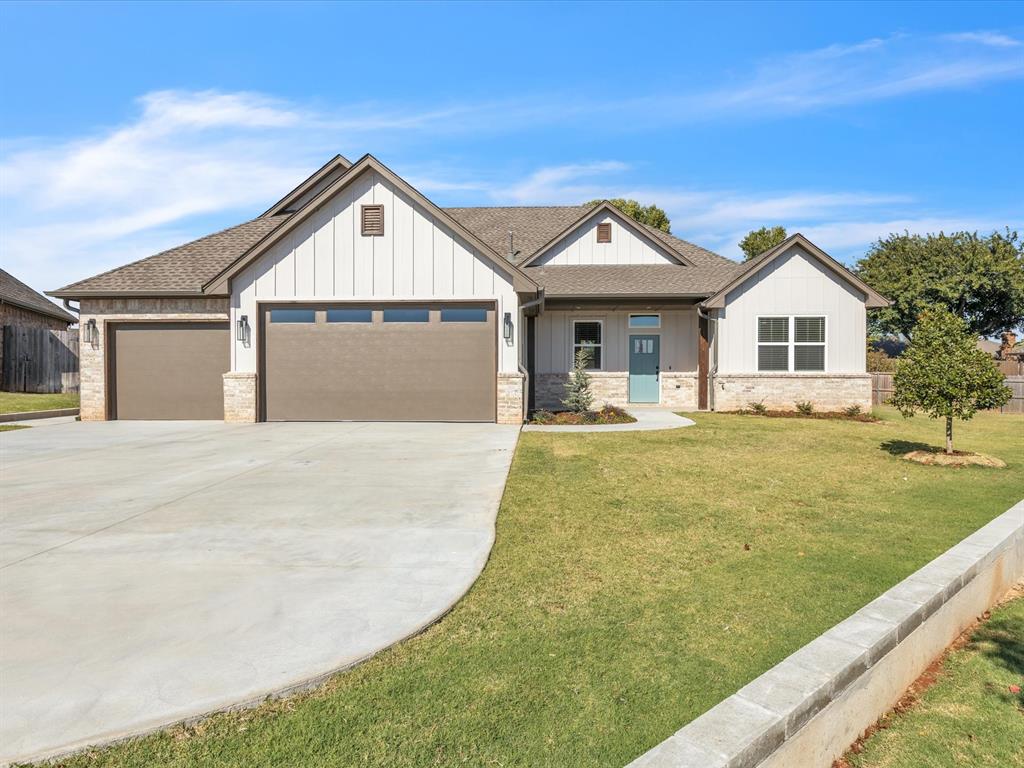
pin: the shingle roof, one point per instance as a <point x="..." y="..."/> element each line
<point x="184" y="268"/>
<point x="188" y="267"/>
<point x="626" y="279"/>
<point x="13" y="291"/>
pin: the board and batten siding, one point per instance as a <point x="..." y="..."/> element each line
<point x="794" y="284"/>
<point x="326" y="258"/>
<point x="678" y="333"/>
<point x="581" y="247"/>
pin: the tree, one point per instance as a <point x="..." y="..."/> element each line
<point x="651" y="214"/>
<point x="944" y="374"/>
<point x="578" y="397"/>
<point x="760" y="240"/>
<point x="979" y="279"/>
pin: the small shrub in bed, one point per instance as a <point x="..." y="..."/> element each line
<point x="757" y="407"/>
<point x="542" y="417"/>
<point x="805" y="408"/>
<point x="852" y="411"/>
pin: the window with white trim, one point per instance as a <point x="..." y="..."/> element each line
<point x="789" y="343"/>
<point x="645" y="321"/>
<point x="587" y="336"/>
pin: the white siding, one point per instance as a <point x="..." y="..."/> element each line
<point x="794" y="284"/>
<point x="678" y="338"/>
<point x="581" y="247"/>
<point x="326" y="258"/>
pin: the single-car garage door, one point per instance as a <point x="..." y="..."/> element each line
<point x="379" y="363"/>
<point x="168" y="370"/>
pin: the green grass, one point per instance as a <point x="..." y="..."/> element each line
<point x="12" y="427"/>
<point x="20" y="402"/>
<point x="970" y="717"/>
<point x="638" y="578"/>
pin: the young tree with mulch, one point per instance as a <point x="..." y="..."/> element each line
<point x="578" y="397"/>
<point x="944" y="375"/>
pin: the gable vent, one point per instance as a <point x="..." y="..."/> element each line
<point x="604" y="233"/>
<point x="373" y="220"/>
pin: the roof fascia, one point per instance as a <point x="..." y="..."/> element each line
<point x="872" y="298"/>
<point x="338" y="161"/>
<point x="221" y="282"/>
<point x="57" y="312"/>
<point x="65" y="293"/>
<point x="633" y="226"/>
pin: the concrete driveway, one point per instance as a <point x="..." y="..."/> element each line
<point x="155" y="571"/>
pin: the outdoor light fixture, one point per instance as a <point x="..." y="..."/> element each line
<point x="242" y="329"/>
<point x="507" y="326"/>
<point x="89" y="333"/>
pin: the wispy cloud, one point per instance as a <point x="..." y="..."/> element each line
<point x="994" y="39"/>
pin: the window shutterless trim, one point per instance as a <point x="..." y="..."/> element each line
<point x="573" y="344"/>
<point x="790" y="343"/>
<point x="629" y="322"/>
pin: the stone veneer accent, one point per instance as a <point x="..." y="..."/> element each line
<point x="92" y="357"/>
<point x="781" y="391"/>
<point x="511" y="399"/>
<point x="240" y="397"/>
<point x="678" y="389"/>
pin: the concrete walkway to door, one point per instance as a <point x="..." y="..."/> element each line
<point x="151" y="572"/>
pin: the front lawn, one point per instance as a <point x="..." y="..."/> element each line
<point x="638" y="578"/>
<point x="974" y="713"/>
<point x="20" y="402"/>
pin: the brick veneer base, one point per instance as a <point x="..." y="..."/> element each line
<point x="678" y="389"/>
<point x="240" y="397"/>
<point x="782" y="391"/>
<point x="510" y="398"/>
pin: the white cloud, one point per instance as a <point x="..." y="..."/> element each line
<point x="994" y="39"/>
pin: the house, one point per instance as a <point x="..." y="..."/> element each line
<point x="23" y="307"/>
<point x="356" y="297"/>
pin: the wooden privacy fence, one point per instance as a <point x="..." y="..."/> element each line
<point x="881" y="391"/>
<point x="39" y="360"/>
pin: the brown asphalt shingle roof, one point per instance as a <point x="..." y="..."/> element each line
<point x="188" y="267"/>
<point x="13" y="291"/>
<point x="184" y="268"/>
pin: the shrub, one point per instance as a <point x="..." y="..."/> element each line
<point x="543" y="417"/>
<point x="853" y="410"/>
<point x="805" y="408"/>
<point x="578" y="397"/>
<point x="757" y="407"/>
<point x="879" y="362"/>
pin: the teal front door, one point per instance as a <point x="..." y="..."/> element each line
<point x="644" y="365"/>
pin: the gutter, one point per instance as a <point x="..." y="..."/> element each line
<point x="77" y="311"/>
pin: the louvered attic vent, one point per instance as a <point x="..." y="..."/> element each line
<point x="373" y="220"/>
<point x="604" y="233"/>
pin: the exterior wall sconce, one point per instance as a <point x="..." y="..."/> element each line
<point x="90" y="333"/>
<point x="507" y="327"/>
<point x="242" y="330"/>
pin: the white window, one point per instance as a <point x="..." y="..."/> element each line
<point x="587" y="336"/>
<point x="645" y="321"/>
<point x="791" y="343"/>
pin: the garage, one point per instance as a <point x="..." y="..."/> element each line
<point x="168" y="370"/>
<point x="393" y="362"/>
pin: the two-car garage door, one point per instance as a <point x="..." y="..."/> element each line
<point x="399" y="362"/>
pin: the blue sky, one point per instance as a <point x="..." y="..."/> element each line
<point x="125" y="129"/>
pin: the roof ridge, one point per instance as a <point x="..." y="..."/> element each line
<point x="510" y="207"/>
<point x="174" y="248"/>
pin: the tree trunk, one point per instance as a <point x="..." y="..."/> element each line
<point x="949" y="434"/>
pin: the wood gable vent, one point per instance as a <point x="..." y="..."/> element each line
<point x="373" y="220"/>
<point x="604" y="232"/>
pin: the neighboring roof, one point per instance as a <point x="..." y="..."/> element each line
<point x="219" y="283"/>
<point x="600" y="280"/>
<point x="16" y="293"/>
<point x="873" y="299"/>
<point x="989" y="347"/>
<point x="337" y="164"/>
<point x="181" y="270"/>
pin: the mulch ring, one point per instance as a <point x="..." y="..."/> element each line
<point x="609" y="414"/>
<point x="936" y="456"/>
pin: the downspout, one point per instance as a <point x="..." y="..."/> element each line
<point x="713" y="354"/>
<point x="69" y="308"/>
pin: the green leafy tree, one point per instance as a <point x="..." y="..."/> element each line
<point x="760" y="240"/>
<point x="578" y="397"/>
<point x="651" y="215"/>
<point x="979" y="279"/>
<point x="944" y="375"/>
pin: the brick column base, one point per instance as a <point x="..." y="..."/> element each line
<point x="239" y="397"/>
<point x="510" y="398"/>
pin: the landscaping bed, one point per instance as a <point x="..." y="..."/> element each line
<point x="637" y="579"/>
<point x="609" y="414"/>
<point x="854" y="413"/>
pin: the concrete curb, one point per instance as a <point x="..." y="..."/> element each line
<point x="647" y="419"/>
<point x="26" y="415"/>
<point x="809" y="708"/>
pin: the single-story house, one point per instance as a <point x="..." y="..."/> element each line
<point x="356" y="297"/>
<point x="24" y="307"/>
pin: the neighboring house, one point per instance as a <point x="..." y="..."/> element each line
<point x="356" y="297"/>
<point x="21" y="306"/>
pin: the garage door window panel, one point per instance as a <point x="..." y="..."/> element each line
<point x="463" y="315"/>
<point x="349" y="315"/>
<point x="419" y="315"/>
<point x="293" y="315"/>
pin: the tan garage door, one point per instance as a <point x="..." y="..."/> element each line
<point x="169" y="370"/>
<point x="379" y="363"/>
